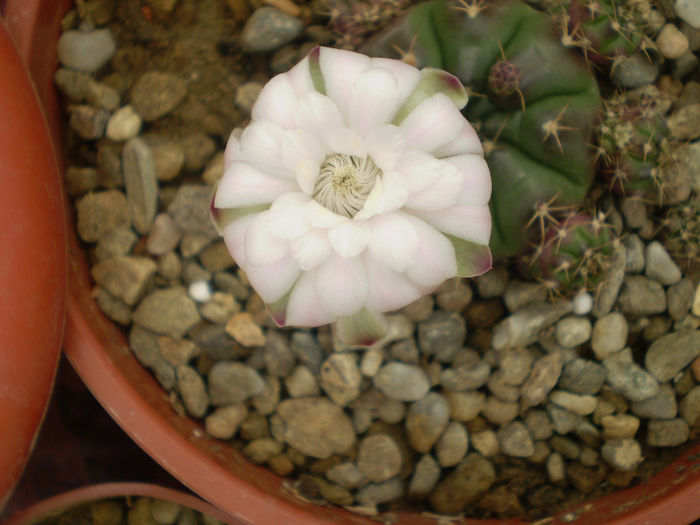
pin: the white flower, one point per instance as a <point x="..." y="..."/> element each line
<point x="357" y="188"/>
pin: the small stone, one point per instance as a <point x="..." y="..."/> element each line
<point x="170" y="266"/>
<point x="102" y="96"/>
<point x="471" y="478"/>
<point x="539" y="424"/>
<point x="192" y="390"/>
<point x="671" y="353"/>
<point x="279" y="360"/>
<point x="167" y="311"/>
<point x="680" y="299"/>
<point x="73" y="84"/>
<point x="486" y="443"/>
<point x="563" y="421"/>
<point x="583" y="303"/>
<point x="660" y="267"/>
<point x="156" y="94"/>
<point x="635" y="71"/>
<point x="684" y="124"/>
<point x="140" y="183"/>
<point x="426" y="474"/>
<point x="86" y="51"/>
<point x="268" y="29"/>
<point x="609" y="287"/>
<point x="690" y="406"/>
<point x="223" y="423"/>
<point x="622" y="454"/>
<point x="634" y="211"/>
<point x="634" y="247"/>
<point x="500" y="412"/>
<point x="372" y="361"/>
<point x="581" y="404"/>
<point x="519" y="294"/>
<point x="198" y="149"/>
<point x="585" y="479"/>
<point x="573" y="331"/>
<point x="689" y="11"/>
<point x="454" y="295"/>
<point x="266" y="401"/>
<point x="515" y="440"/>
<point x="243" y="329"/>
<point x="177" y="352"/>
<point x="378" y="493"/>
<point x="452" y="444"/>
<point x="425" y="421"/>
<point x="619" y="426"/>
<point x="583" y="376"/>
<point x="88" y="122"/>
<point x="544" y="375"/>
<point x="106" y="512"/>
<point x="402" y="381"/>
<point x="609" y="335"/>
<point x="80" y="180"/>
<point x="163" y="236"/>
<point x="468" y="372"/>
<point x="502" y="390"/>
<point x="442" y="335"/>
<point x="568" y="448"/>
<point x="232" y="382"/>
<point x="261" y="450"/>
<point x="523" y="328"/>
<point x="190" y="210"/>
<point x="214" y="170"/>
<point x="165" y="512"/>
<point x="628" y="378"/>
<point x="671" y="42"/>
<point x="124" y="124"/>
<point x="246" y="95"/>
<point x="301" y="383"/>
<point x="307" y="350"/>
<point x="641" y="296"/>
<point x="169" y="159"/>
<point x="492" y="283"/>
<point x="144" y="344"/>
<point x="660" y="406"/>
<point x="316" y="427"/>
<point x="379" y="457"/>
<point x="112" y="306"/>
<point x="555" y="468"/>
<point x="465" y="406"/>
<point x="125" y="277"/>
<point x="515" y="365"/>
<point x="667" y="432"/>
<point x="341" y="378"/>
<point x="391" y="411"/>
<point x="347" y="475"/>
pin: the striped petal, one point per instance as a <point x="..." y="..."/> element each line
<point x="472" y="223"/>
<point x="304" y="307"/>
<point x="432" y="124"/>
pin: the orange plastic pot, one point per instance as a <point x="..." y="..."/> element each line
<point x="57" y="505"/>
<point x="217" y="472"/>
<point x="32" y="265"/>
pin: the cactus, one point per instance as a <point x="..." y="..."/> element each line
<point x="535" y="100"/>
<point x="681" y="231"/>
<point x="353" y="22"/>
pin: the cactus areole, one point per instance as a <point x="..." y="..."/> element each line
<point x="533" y="100"/>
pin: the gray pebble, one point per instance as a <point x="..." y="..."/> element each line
<point x="223" y="423"/>
<point x="140" y="183"/>
<point x="500" y="412"/>
<point x="680" y="298"/>
<point x="669" y="354"/>
<point x="622" y="454"/>
<point x="519" y="294"/>
<point x="442" y="335"/>
<point x="379" y="457"/>
<point x="168" y="311"/>
<point x="583" y="376"/>
<point x="454" y="295"/>
<point x="89" y="122"/>
<point x="156" y="94"/>
<point x="523" y="328"/>
<point x="660" y="267"/>
<point x="689" y="11"/>
<point x="266" y="401"/>
<point x="499" y="388"/>
<point x="347" y="475"/>
<point x="144" y="344"/>
<point x="465" y="406"/>
<point x="102" y="96"/>
<point x="73" y="84"/>
<point x="660" y="406"/>
<point x="684" y="124"/>
<point x="406" y="351"/>
<point x="113" y="307"/>
<point x="470" y="479"/>
<point x="164" y="512"/>
<point x="169" y="159"/>
<point x="515" y="365"/>
<point x="582" y="404"/>
<point x="635" y="71"/>
<point x="426" y="474"/>
<point x="246" y="95"/>
<point x="544" y="375"/>
<point x="425" y="421"/>
<point x="486" y="443"/>
<point x="667" y="432"/>
<point x="192" y="390"/>
<point x="279" y="359"/>
<point x="177" y="352"/>
<point x="568" y="448"/>
<point x="539" y="424"/>
<point x="190" y="210"/>
<point x="609" y="335"/>
<point x="690" y="406"/>
<point x="635" y="212"/>
<point x="452" y="444"/>
<point x="402" y="381"/>
<point x="468" y="372"/>
<point x="573" y="331"/>
<point x="619" y="426"/>
<point x="268" y="29"/>
<point x="307" y="350"/>
<point x="563" y="421"/>
<point x="301" y="383"/>
<point x="163" y="236"/>
<point x="262" y="449"/>
<point x="420" y="309"/>
<point x="609" y="287"/>
<point x="86" y="51"/>
<point x="232" y="382"/>
<point x="642" y="296"/>
<point x="683" y="65"/>
<point x="391" y="411"/>
<point x="628" y="378"/>
<point x="80" y="180"/>
<point x="555" y="468"/>
<point x="198" y="148"/>
<point x="377" y="493"/>
<point x="492" y="283"/>
<point x="341" y="378"/>
<point x="516" y="440"/>
<point x="125" y="277"/>
<point x="634" y="247"/>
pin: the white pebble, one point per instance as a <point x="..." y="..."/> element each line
<point x="200" y="291"/>
<point x="671" y="42"/>
<point x="124" y="124"/>
<point x="583" y="303"/>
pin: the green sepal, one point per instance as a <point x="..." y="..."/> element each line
<point x="222" y="217"/>
<point x="315" y="70"/>
<point x="472" y="259"/>
<point x="278" y="310"/>
<point x="361" y="329"/>
<point x="433" y="81"/>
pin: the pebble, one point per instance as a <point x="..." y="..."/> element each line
<point x="124" y="124"/>
<point x="499" y="388"/>
<point x="634" y="248"/>
<point x="539" y="424"/>
<point x="690" y="406"/>
<point x="268" y="29"/>
<point x="216" y="257"/>
<point x="667" y="432"/>
<point x="420" y="309"/>
<point x="73" y="84"/>
<point x="660" y="406"/>
<point x="163" y="236"/>
<point x="316" y="427"/>
<point x="190" y="210"/>
<point x="402" y="381"/>
<point x="555" y="468"/>
<point x="301" y="383"/>
<point x="164" y="512"/>
<point x="619" y="426"/>
<point x="470" y="479"/>
<point x="140" y="183"/>
<point x="243" y="328"/>
<point x="573" y="331"/>
<point x="109" y="165"/>
<point x="426" y="474"/>
<point x="80" y="180"/>
<point x="568" y="448"/>
<point x="689" y="11"/>
<point x="156" y="94"/>
<point x="192" y="390"/>
<point x="347" y="475"/>
<point x="233" y="382"/>
<point x="519" y="294"/>
<point x="660" y="266"/>
<point x="684" y="64"/>
<point x="198" y="149"/>
<point x="169" y="159"/>
<point x="641" y="296"/>
<point x="523" y="328"/>
<point x="563" y="421"/>
<point x="680" y="299"/>
<point x="125" y="277"/>
<point x="608" y="289"/>
<point x="223" y="423"/>
<point x="515" y="365"/>
<point x="261" y="450"/>
<point x="622" y="454"/>
<point x="88" y="122"/>
<point x="372" y="361"/>
<point x="486" y="443"/>
<point x="468" y="372"/>
<point x="684" y="124"/>
<point x="177" y="352"/>
<point x="102" y="96"/>
<point x="671" y="42"/>
<point x="493" y="283"/>
<point x="278" y="357"/>
<point x="671" y="353"/>
<point x="635" y="212"/>
<point x="583" y="303"/>
<point x="425" y="421"/>
<point x="246" y="95"/>
<point x="452" y="444"/>
<point x="695" y="308"/>
<point x="609" y="335"/>
<point x="583" y="376"/>
<point x="581" y="404"/>
<point x="500" y="412"/>
<point x="442" y="335"/>
<point x="144" y="344"/>
<point x="391" y="411"/>
<point x="515" y="440"/>
<point x="628" y="378"/>
<point x="635" y="71"/>
<point x="86" y="51"/>
<point x="341" y="378"/>
<point x="112" y="306"/>
<point x="379" y="458"/>
<point x="454" y="295"/>
<point x="378" y="493"/>
<point x="544" y="375"/>
<point x="168" y="311"/>
<point x="214" y="170"/>
<point x="465" y="406"/>
<point x="266" y="401"/>
<point x="307" y="350"/>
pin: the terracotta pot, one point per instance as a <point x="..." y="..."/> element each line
<point x="220" y="474"/>
<point x="32" y="265"/>
<point x="63" y="502"/>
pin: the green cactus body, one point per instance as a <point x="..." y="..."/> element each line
<point x="533" y="101"/>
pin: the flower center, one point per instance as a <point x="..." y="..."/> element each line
<point x="344" y="182"/>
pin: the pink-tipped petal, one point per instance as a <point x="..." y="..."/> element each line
<point x="341" y="285"/>
<point x="234" y="237"/>
<point x="440" y="194"/>
<point x="261" y="246"/>
<point x="287" y="218"/>
<point x="476" y="179"/>
<point x="276" y="102"/>
<point x="350" y="238"/>
<point x="436" y="259"/>
<point x="385" y="145"/>
<point x="466" y="141"/>
<point x="418" y="169"/>
<point x="304" y="154"/>
<point x="233" y="147"/>
<point x="304" y="307"/>
<point x="300" y="77"/>
<point x="472" y="259"/>
<point x="407" y="76"/>
<point x="388" y="290"/>
<point x="394" y="241"/>
<point x="340" y="68"/>
<point x="361" y="329"/>
<point x="244" y="185"/>
<point x="472" y="223"/>
<point x="317" y="114"/>
<point x="373" y="100"/>
<point x="432" y="124"/>
<point x="273" y="281"/>
<point x="261" y="145"/>
<point x="311" y="249"/>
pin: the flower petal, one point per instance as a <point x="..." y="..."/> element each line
<point x="234" y="237"/>
<point x="350" y="238"/>
<point x="385" y="145"/>
<point x="277" y="102"/>
<point x="287" y="216"/>
<point x="261" y="246"/>
<point x="233" y="147"/>
<point x="418" y="169"/>
<point x="433" y="81"/>
<point x="322" y="217"/>
<point x="388" y="290"/>
<point x="373" y="100"/>
<point x="347" y="141"/>
<point x="273" y="281"/>
<point x="244" y="185"/>
<point x="300" y="77"/>
<point x="317" y="114"/>
<point x="407" y="75"/>
<point x="394" y="241"/>
<point x="476" y="179"/>
<point x="466" y="141"/>
<point x="304" y="307"/>
<point x="472" y="223"/>
<point x="311" y="249"/>
<point x="435" y="260"/>
<point x="304" y="154"/>
<point x="341" y="285"/>
<point x="432" y="124"/>
<point x="340" y="69"/>
<point x="261" y="145"/>
<point x="472" y="259"/>
<point x="440" y="194"/>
